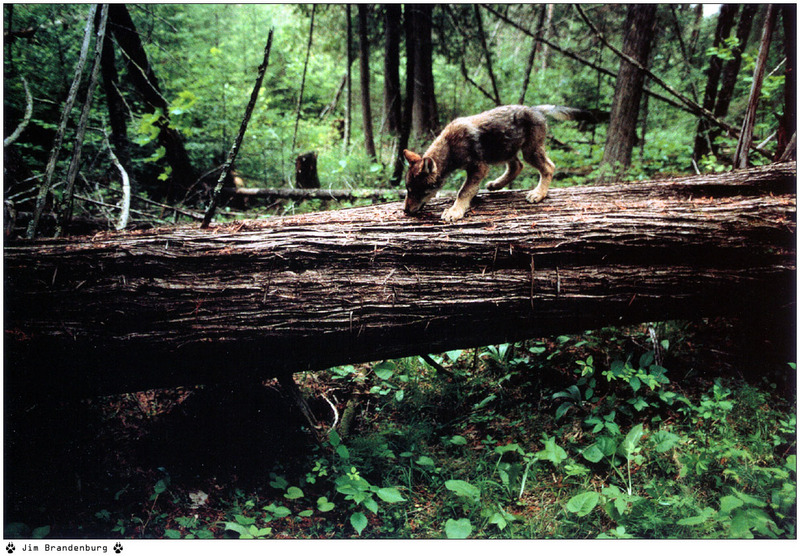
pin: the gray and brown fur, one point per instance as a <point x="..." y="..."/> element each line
<point x="474" y="143"/>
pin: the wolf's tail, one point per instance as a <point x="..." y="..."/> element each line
<point x="565" y="113"/>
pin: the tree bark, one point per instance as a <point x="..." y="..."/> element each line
<point x="348" y="107"/>
<point x="788" y="122"/>
<point x="303" y="79"/>
<point x="117" y="112"/>
<point x="639" y="25"/>
<point x="138" y="310"/>
<point x="408" y="101"/>
<point x="366" y="103"/>
<point x="425" y="114"/>
<point x="391" y="68"/>
<point x="742" y="152"/>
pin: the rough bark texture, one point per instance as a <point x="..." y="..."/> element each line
<point x="621" y="137"/>
<point x="139" y="310"/>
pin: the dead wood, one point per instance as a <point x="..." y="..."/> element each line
<point x="182" y="306"/>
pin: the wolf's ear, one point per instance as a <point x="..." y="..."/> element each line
<point x="412" y="157"/>
<point x="428" y="165"/>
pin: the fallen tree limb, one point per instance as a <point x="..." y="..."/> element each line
<point x="302" y="194"/>
<point x="182" y="306"/>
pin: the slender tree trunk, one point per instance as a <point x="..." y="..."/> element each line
<point x="546" y="32"/>
<point x="640" y="26"/>
<point x="65" y="210"/>
<point x="212" y="205"/>
<point x="487" y="54"/>
<point x="740" y="156"/>
<point x="127" y="312"/>
<point x="788" y="122"/>
<point x="144" y="79"/>
<point x="366" y="103"/>
<point x="348" y="109"/>
<point x="303" y="80"/>
<point x="725" y="22"/>
<point x="408" y="102"/>
<point x="425" y="117"/>
<point x="391" y="68"/>
<point x="44" y="189"/>
<point x="532" y="56"/>
<point x="117" y="112"/>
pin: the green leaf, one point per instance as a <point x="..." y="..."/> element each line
<point x="359" y="521"/>
<point x="463" y="489"/>
<point x="582" y="504"/>
<point x="729" y="503"/>
<point x="631" y="441"/>
<point x="399" y="395"/>
<point x="42" y="532"/>
<point x="552" y="452"/>
<point x="334" y="438"/>
<point x="293" y="493"/>
<point x="306" y="513"/>
<point x="704" y="516"/>
<point x="458" y="528"/>
<point x="279" y="482"/>
<point x="171" y="533"/>
<point x="390" y="495"/>
<point x="370" y="503"/>
<point x="425" y="461"/>
<point x="342" y="451"/>
<point x="384" y="370"/>
<point x="593" y="453"/>
<point x="458" y="441"/>
<point x="323" y="505"/>
<point x="562" y="410"/>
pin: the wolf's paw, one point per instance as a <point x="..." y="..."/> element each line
<point x="495" y="185"/>
<point x="535" y="196"/>
<point x="452" y="214"/>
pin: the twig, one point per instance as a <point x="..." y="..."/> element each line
<point x="212" y="206"/>
<point x="439" y="368"/>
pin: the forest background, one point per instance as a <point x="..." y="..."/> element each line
<point x="578" y="436"/>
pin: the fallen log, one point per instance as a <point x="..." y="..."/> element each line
<point x="303" y="194"/>
<point x="181" y="306"/>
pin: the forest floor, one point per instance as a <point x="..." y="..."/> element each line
<point x="674" y="430"/>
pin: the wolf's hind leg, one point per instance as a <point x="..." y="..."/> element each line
<point x="513" y="168"/>
<point x="539" y="160"/>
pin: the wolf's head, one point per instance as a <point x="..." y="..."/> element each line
<point x="423" y="180"/>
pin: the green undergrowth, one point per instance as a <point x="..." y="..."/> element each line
<point x="580" y="437"/>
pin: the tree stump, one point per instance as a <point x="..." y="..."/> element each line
<point x="306" y="171"/>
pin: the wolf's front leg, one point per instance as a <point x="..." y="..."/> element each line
<point x="466" y="193"/>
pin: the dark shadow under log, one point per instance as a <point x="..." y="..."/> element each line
<point x="183" y="306"/>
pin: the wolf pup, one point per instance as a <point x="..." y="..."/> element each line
<point x="475" y="142"/>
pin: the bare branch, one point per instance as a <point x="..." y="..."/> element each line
<point x="25" y="119"/>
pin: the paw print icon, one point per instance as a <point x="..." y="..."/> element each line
<point x="118" y="548"/>
<point x="10" y="548"/>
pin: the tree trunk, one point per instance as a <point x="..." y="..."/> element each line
<point x="424" y="117"/>
<point x="742" y="152"/>
<point x="532" y="56"/>
<point x="788" y="122"/>
<point x="180" y="306"/>
<point x="144" y="79"/>
<point x="725" y="21"/>
<point x="306" y="171"/>
<point x="391" y="68"/>
<point x="546" y="33"/>
<point x="348" y="107"/>
<point x="366" y="103"/>
<point x="639" y="25"/>
<point x="408" y="102"/>
<point x="303" y="79"/>
<point x="117" y="113"/>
